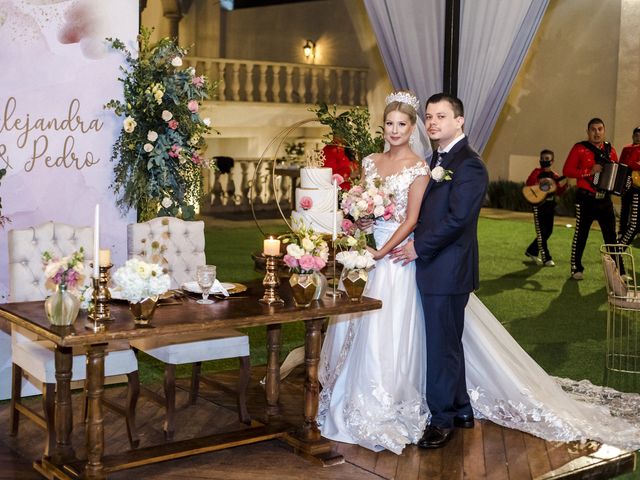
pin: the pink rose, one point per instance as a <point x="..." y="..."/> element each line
<point x="173" y="124"/>
<point x="197" y="159"/>
<point x="290" y="261"/>
<point x="347" y="226"/>
<point x="175" y="151"/>
<point x="338" y="178"/>
<point x="388" y="211"/>
<point x="307" y="262"/>
<point x="319" y="263"/>
<point x="306" y="203"/>
<point x="192" y="106"/>
<point x="197" y="81"/>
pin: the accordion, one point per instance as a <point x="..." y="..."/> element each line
<point x="612" y="178"/>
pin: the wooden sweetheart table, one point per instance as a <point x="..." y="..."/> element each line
<point x="187" y="319"/>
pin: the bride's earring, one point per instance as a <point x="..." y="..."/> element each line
<point x="411" y="142"/>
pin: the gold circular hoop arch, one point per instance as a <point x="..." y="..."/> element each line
<point x="279" y="138"/>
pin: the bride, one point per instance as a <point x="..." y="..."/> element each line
<point x="373" y="365"/>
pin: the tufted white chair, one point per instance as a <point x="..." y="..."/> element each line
<point x="34" y="356"/>
<point x="183" y="244"/>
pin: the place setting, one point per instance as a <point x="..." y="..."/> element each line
<point x="206" y="284"/>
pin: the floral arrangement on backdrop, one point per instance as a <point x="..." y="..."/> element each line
<point x="354" y="254"/>
<point x="67" y="271"/>
<point x="159" y="154"/>
<point x="307" y="251"/>
<point x="352" y="129"/>
<point x="139" y="280"/>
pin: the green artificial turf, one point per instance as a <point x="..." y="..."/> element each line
<point x="560" y="322"/>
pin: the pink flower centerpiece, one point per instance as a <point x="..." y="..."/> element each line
<point x="306" y="251"/>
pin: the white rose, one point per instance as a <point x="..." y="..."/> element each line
<point x="207" y="121"/>
<point x="191" y="71"/>
<point x="147" y="147"/>
<point x="362" y="205"/>
<point x="166" y="202"/>
<point x="378" y="200"/>
<point x="437" y="173"/>
<point x="176" y="61"/>
<point x="152" y="136"/>
<point x="129" y="124"/>
<point x="295" y="251"/>
<point x="167" y="115"/>
<point x="378" y="211"/>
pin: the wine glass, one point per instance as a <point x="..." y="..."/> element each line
<point x="206" y="276"/>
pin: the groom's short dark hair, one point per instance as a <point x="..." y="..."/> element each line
<point x="455" y="102"/>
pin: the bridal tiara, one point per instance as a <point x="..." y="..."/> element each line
<point x="404" y="97"/>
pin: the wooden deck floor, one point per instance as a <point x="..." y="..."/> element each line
<point x="487" y="451"/>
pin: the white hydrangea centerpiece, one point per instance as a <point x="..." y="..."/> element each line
<point x="139" y="280"/>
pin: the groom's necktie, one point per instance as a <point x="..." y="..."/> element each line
<point x="436" y="159"/>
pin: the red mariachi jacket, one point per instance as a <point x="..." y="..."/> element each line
<point x="539" y="173"/>
<point x="579" y="164"/>
<point x="631" y="156"/>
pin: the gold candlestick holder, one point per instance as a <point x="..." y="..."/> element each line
<point x="271" y="282"/>
<point x="101" y="297"/>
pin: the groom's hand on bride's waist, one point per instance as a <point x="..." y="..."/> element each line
<point x="404" y="253"/>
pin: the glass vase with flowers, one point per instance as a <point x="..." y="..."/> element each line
<point x="63" y="275"/>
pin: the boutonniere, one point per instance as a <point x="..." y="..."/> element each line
<point x="439" y="174"/>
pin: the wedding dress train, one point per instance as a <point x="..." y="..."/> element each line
<point x="373" y="373"/>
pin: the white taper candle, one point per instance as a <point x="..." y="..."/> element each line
<point x="96" y="242"/>
<point x="335" y="210"/>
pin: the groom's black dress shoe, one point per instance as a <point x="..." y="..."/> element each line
<point x="463" y="421"/>
<point x="435" y="437"/>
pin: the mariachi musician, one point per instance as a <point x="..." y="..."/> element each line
<point x="585" y="159"/>
<point x="544" y="211"/>
<point x="630" y="208"/>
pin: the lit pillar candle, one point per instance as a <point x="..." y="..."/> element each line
<point x="96" y="242"/>
<point x="105" y="257"/>
<point x="271" y="246"/>
<point x="334" y="234"/>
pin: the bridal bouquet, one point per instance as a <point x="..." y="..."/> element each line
<point x="307" y="251"/>
<point x="139" y="280"/>
<point x="373" y="202"/>
<point x="67" y="271"/>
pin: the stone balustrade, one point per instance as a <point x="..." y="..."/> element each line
<point x="259" y="81"/>
<point x="232" y="192"/>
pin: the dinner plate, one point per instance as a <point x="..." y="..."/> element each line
<point x="193" y="287"/>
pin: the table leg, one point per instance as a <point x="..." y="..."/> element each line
<point x="307" y="439"/>
<point x="63" y="450"/>
<point x="312" y="347"/>
<point x="272" y="383"/>
<point x="95" y="417"/>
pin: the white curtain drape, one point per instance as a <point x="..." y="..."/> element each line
<point x="494" y="39"/>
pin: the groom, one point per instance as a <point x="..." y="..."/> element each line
<point x="445" y="248"/>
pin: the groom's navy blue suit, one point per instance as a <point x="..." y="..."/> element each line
<point x="445" y="240"/>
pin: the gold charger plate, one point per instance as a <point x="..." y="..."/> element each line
<point x="237" y="288"/>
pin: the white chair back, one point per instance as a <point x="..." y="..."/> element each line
<point x="182" y="242"/>
<point x="26" y="275"/>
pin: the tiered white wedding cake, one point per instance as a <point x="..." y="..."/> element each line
<point x="316" y="201"/>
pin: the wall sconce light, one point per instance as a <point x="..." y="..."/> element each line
<point x="309" y="49"/>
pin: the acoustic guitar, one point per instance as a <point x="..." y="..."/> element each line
<point x="535" y="194"/>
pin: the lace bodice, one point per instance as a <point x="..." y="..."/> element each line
<point x="397" y="184"/>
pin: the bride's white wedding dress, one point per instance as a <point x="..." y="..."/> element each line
<point x="373" y="368"/>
